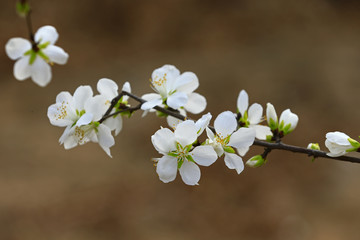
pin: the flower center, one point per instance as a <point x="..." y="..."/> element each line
<point x="61" y="111"/>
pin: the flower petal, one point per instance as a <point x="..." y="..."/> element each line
<point x="167" y="73"/>
<point x="243" y="137"/>
<point x="81" y="95"/>
<point x="114" y="124"/>
<point x="166" y="168"/>
<point x="85" y="119"/>
<point x="204" y="155"/>
<point x="187" y="82"/>
<point x="242" y="151"/>
<point x="203" y="123"/>
<point x="108" y="88"/>
<point x="177" y="100"/>
<point x="255" y="113"/>
<point x="16" y="47"/>
<point x="233" y="161"/>
<point x="172" y="121"/>
<point x="261" y="131"/>
<point x="164" y="141"/>
<point x="225" y="124"/>
<point x="106" y="140"/>
<point x="22" y="69"/>
<point x="96" y="106"/>
<point x="56" y="54"/>
<point x="243" y="102"/>
<point x="40" y="72"/>
<point x="190" y="173"/>
<point x="338" y="138"/>
<point x="196" y="103"/>
<point x="46" y="34"/>
<point x="185" y="133"/>
<point x="152" y="103"/>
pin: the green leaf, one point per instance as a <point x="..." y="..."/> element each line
<point x="22" y="8"/>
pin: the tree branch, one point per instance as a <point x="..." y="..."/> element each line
<point x="268" y="145"/>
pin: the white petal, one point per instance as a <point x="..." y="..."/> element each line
<point x="152" y="103"/>
<point x="56" y="54"/>
<point x="243" y="102"/>
<point x="164" y="141"/>
<point x="16" y="47"/>
<point x="233" y="161"/>
<point x="289" y="118"/>
<point x="168" y="73"/>
<point x="61" y="113"/>
<point x="166" y="168"/>
<point x="177" y="100"/>
<point x="335" y="149"/>
<point x="190" y="173"/>
<point x="261" y="131"/>
<point x="126" y="87"/>
<point x="225" y="124"/>
<point x="196" y="103"/>
<point x="338" y="138"/>
<point x="271" y="113"/>
<point x="203" y="123"/>
<point x="108" y="88"/>
<point x="46" y="34"/>
<point x="204" y="155"/>
<point x="210" y="134"/>
<point x="104" y="136"/>
<point x="242" y="151"/>
<point x="185" y="133"/>
<point x="85" y="119"/>
<point x="68" y="139"/>
<point x="172" y="121"/>
<point x="97" y="106"/>
<point x="243" y="137"/>
<point x="255" y="113"/>
<point x="114" y="124"/>
<point x="40" y="72"/>
<point x="187" y="82"/>
<point x="22" y="69"/>
<point x="81" y="95"/>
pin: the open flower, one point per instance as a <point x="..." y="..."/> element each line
<point x="34" y="60"/>
<point x="252" y="117"/>
<point x="79" y="114"/>
<point x="339" y="144"/>
<point x="179" y="153"/>
<point x="109" y="90"/>
<point x="226" y="137"/>
<point x="174" y="90"/>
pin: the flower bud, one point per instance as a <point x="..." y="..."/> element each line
<point x="271" y="116"/>
<point x="288" y="121"/>
<point x="255" y="161"/>
<point x="22" y="8"/>
<point x="339" y="144"/>
<point x="313" y="146"/>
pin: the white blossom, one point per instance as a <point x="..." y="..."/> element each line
<point x="109" y="90"/>
<point x="179" y="154"/>
<point x="253" y="116"/>
<point x="227" y="137"/>
<point x="339" y="144"/>
<point x="34" y="60"/>
<point x="80" y="115"/>
<point x="174" y="90"/>
<point x="288" y="121"/>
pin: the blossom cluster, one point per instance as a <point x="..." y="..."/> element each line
<point x="82" y="115"/>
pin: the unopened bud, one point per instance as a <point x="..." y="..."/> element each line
<point x="255" y="161"/>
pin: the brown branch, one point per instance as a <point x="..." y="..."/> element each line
<point x="268" y="145"/>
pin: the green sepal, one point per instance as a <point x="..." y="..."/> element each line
<point x="44" y="45"/>
<point x="255" y="161"/>
<point x="178" y="146"/>
<point x="354" y="143"/>
<point x="286" y="129"/>
<point x="44" y="56"/>
<point x="190" y="158"/>
<point x="180" y="163"/>
<point x="172" y="154"/>
<point x="228" y="149"/>
<point x="269" y="138"/>
<point x="32" y="57"/>
<point x="188" y="148"/>
<point x="281" y="126"/>
<point x="272" y="124"/>
<point x="161" y="114"/>
<point x="22" y="8"/>
<point x="96" y="124"/>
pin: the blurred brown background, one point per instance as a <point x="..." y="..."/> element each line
<point x="299" y="54"/>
